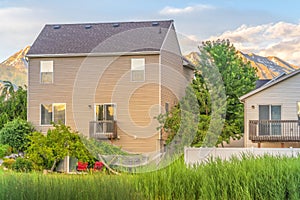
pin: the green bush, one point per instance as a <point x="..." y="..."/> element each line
<point x="15" y="133"/>
<point x="22" y="165"/>
<point x="5" y="150"/>
<point x="8" y="163"/>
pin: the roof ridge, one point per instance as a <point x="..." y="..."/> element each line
<point x="111" y="22"/>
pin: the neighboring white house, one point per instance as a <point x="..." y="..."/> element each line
<point x="272" y="113"/>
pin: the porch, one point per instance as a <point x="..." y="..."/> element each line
<point x="104" y="129"/>
<point x="274" y="131"/>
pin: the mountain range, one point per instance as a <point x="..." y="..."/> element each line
<point x="266" y="67"/>
<point x="15" y="68"/>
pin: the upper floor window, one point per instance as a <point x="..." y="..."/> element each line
<point x="46" y="72"/>
<point x="55" y="112"/>
<point x="138" y="69"/>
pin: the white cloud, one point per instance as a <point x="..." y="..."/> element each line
<point x="274" y="39"/>
<point x="189" y="9"/>
<point x="19" y="27"/>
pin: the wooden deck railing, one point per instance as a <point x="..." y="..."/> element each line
<point x="103" y="129"/>
<point x="274" y="130"/>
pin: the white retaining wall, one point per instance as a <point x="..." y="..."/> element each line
<point x="201" y="155"/>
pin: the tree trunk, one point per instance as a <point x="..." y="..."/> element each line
<point x="53" y="166"/>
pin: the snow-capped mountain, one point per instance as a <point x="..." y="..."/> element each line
<point x="15" y="68"/>
<point x="267" y="67"/>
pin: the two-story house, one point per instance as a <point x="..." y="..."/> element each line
<point x="272" y="113"/>
<point x="107" y="80"/>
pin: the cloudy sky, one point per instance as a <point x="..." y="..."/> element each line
<point x="264" y="27"/>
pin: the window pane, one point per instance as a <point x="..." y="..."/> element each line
<point x="137" y="75"/>
<point x="110" y="112"/>
<point x="59" y="113"/>
<point x="46" y="77"/>
<point x="46" y="66"/>
<point x="264" y="112"/>
<point x="46" y="114"/>
<point x="275" y="112"/>
<point x="167" y="107"/>
<point x="138" y="64"/>
<point x="99" y="112"/>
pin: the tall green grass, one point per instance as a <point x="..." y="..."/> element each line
<point x="250" y="178"/>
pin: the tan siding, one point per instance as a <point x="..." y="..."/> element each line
<point x="174" y="76"/>
<point x="83" y="82"/>
<point x="284" y="94"/>
<point x="137" y="102"/>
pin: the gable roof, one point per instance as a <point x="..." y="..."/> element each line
<point x="107" y="38"/>
<point x="271" y="83"/>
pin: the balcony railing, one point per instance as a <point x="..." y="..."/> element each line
<point x="274" y="130"/>
<point x="103" y="129"/>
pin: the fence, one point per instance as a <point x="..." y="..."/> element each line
<point x="201" y="155"/>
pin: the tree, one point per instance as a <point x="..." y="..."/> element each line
<point x="13" y="105"/>
<point x="221" y="77"/>
<point x="15" y="133"/>
<point x="238" y="77"/>
<point x="47" y="150"/>
<point x="7" y="89"/>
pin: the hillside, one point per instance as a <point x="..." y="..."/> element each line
<point x="15" y="68"/>
<point x="267" y="67"/>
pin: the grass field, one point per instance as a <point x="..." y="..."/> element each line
<point x="250" y="178"/>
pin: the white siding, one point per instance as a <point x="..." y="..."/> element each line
<point x="285" y="93"/>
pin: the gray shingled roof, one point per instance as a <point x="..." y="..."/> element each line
<point x="100" y="38"/>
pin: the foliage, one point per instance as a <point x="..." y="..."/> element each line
<point x="22" y="165"/>
<point x="249" y="178"/>
<point x="47" y="150"/>
<point x="221" y="77"/>
<point x="13" y="104"/>
<point x="5" y="150"/>
<point x="238" y="78"/>
<point x="100" y="147"/>
<point x="14" y="133"/>
<point x="8" y="163"/>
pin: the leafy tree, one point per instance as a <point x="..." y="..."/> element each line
<point x="221" y="77"/>
<point x="13" y="104"/>
<point x="238" y="78"/>
<point x="47" y="150"/>
<point x="15" y="133"/>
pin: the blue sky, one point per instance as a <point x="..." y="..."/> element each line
<point x="264" y="27"/>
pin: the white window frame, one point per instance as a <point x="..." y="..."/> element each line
<point x="138" y="64"/>
<point x="46" y="67"/>
<point x="52" y="117"/>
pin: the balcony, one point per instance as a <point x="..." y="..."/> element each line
<point x="274" y="130"/>
<point x="103" y="129"/>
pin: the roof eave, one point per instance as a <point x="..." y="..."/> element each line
<point x="253" y="92"/>
<point x="92" y="54"/>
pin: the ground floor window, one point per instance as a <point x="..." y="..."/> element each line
<point x="55" y="112"/>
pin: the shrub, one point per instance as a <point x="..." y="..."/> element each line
<point x="22" y="165"/>
<point x="8" y="163"/>
<point x="5" y="150"/>
<point x="15" y="133"/>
